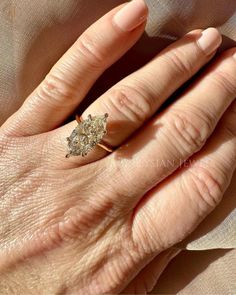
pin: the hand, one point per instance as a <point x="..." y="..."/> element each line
<point x="90" y="225"/>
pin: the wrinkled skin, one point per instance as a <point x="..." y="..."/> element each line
<point x="101" y="224"/>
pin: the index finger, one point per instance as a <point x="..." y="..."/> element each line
<point x="74" y="74"/>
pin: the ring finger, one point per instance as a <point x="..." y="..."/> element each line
<point x="136" y="98"/>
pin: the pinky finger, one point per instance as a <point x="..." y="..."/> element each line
<point x="176" y="206"/>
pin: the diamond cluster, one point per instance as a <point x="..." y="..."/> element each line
<point x="86" y="135"/>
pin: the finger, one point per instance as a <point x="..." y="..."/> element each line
<point x="73" y="75"/>
<point x="136" y="98"/>
<point x="180" y="203"/>
<point x="180" y="131"/>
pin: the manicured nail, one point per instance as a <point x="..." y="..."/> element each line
<point x="210" y="40"/>
<point x="131" y="15"/>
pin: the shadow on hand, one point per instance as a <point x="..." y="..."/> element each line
<point x="131" y="147"/>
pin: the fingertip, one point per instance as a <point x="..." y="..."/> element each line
<point x="210" y="39"/>
<point x="131" y="15"/>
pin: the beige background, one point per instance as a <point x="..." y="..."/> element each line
<point x="34" y="34"/>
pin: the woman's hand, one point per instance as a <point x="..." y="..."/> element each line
<point x="90" y="225"/>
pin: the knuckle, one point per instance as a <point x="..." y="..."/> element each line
<point x="207" y="186"/>
<point x="226" y="82"/>
<point x="131" y="102"/>
<point x="190" y="132"/>
<point x="78" y="222"/>
<point x="90" y="51"/>
<point x="181" y="64"/>
<point x="55" y="90"/>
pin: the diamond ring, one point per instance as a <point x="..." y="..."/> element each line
<point x="87" y="135"/>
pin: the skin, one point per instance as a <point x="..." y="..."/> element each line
<point x="101" y="224"/>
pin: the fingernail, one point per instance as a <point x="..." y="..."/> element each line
<point x="210" y="40"/>
<point x="131" y="15"/>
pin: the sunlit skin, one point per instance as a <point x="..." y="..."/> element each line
<point x="100" y="224"/>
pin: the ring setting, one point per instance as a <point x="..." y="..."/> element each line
<point x="87" y="135"/>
